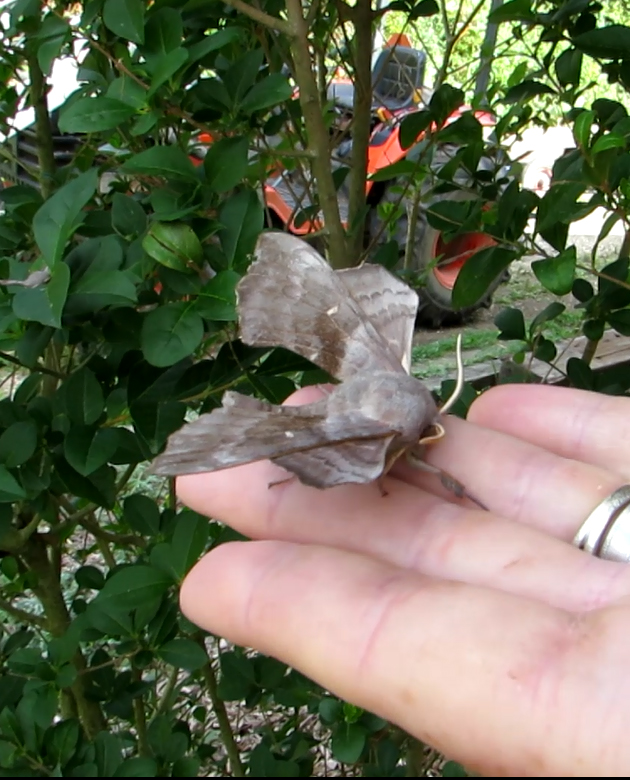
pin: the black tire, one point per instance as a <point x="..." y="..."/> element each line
<point x="436" y="292"/>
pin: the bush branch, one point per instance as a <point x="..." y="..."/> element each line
<point x="273" y="22"/>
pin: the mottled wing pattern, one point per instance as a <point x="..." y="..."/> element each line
<point x="291" y="297"/>
<point x="389" y="304"/>
<point x="245" y="429"/>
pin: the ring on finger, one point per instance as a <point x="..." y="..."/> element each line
<point x="606" y="531"/>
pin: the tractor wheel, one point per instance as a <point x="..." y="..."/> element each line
<point x="436" y="292"/>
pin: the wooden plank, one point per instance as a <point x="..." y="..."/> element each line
<point x="612" y="350"/>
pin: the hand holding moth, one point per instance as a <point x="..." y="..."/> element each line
<point x="485" y="634"/>
<point x="355" y="324"/>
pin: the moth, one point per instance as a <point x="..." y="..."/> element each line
<point x="355" y="324"/>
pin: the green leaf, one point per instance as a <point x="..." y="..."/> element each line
<point x="217" y="298"/>
<point x="513" y="11"/>
<point x="594" y="329"/>
<point x="18" y="443"/>
<point x="608" y="141"/>
<point x="609" y="43"/>
<point x="580" y="374"/>
<point x="125" y="90"/>
<point x="156" y="421"/>
<point x="188" y="766"/>
<point x="128" y="217"/>
<point x="242" y="218"/>
<point x="89" y="577"/>
<point x="66" y="676"/>
<point x="163" y="33"/>
<point x="170" y="334"/>
<point x="412" y="126"/>
<point x="273" y="89"/>
<point x="94" y="114"/>
<point x="61" y="741"/>
<point x="174" y="245"/>
<point x="183" y="654"/>
<point x="444" y="101"/>
<point x="99" y="487"/>
<point x="511" y="323"/>
<point x="98" y="289"/>
<point x="213" y="42"/>
<point x="569" y="67"/>
<point x="189" y="541"/>
<point x="141" y="513"/>
<point x="87" y="449"/>
<point x="557" y="274"/>
<point x="527" y="90"/>
<point x="84" y="402"/>
<point x="168" y="65"/>
<point x="10" y="488"/>
<point x="453" y="769"/>
<point x="237" y="677"/>
<point x="137" y="767"/>
<point x="620" y="321"/>
<point x="125" y="18"/>
<point x="549" y="313"/>
<point x="165" y="161"/>
<point x="133" y="586"/>
<point x="423" y="9"/>
<point x="108" y="753"/>
<point x="478" y="273"/>
<point x="226" y="163"/>
<point x="44" y="304"/>
<point x="55" y="222"/>
<point x="348" y="742"/>
<point x="582" y="128"/>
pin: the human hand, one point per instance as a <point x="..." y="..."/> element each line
<point x="485" y="634"/>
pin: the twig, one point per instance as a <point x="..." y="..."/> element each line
<point x="37" y="367"/>
<point x="273" y="22"/>
<point x="23" y="615"/>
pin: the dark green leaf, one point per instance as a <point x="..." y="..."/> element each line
<point x="444" y="101"/>
<point x="213" y="42"/>
<point x="188" y="766"/>
<point x="166" y="68"/>
<point x="137" y="767"/>
<point x="237" y="677"/>
<point x="155" y="421"/>
<point x="424" y="8"/>
<point x="273" y="89"/>
<point x="133" y="586"/>
<point x="128" y="217"/>
<point x="170" y="334"/>
<point x="511" y="323"/>
<point x="174" y="245"/>
<point x="610" y="43"/>
<point x="17" y="443"/>
<point x="108" y="753"/>
<point x="453" y="769"/>
<point x="580" y="374"/>
<point x="99" y="487"/>
<point x="166" y="161"/>
<point x="478" y="273"/>
<point x="89" y="577"/>
<point x="66" y="676"/>
<point x="549" y="313"/>
<point x="620" y="321"/>
<point x="594" y="329"/>
<point x="141" y="513"/>
<point x="348" y="742"/>
<point x="608" y="141"/>
<point x="44" y="304"/>
<point x="184" y="654"/>
<point x="87" y="449"/>
<point x="125" y="18"/>
<point x="83" y="395"/>
<point x="94" y="114"/>
<point x="217" y="298"/>
<point x="242" y="218"/>
<point x="569" y="67"/>
<point x="55" y="222"/>
<point x="330" y="710"/>
<point x="557" y="274"/>
<point x="98" y="289"/>
<point x="527" y="90"/>
<point x="189" y="541"/>
<point x="412" y="126"/>
<point x="545" y="350"/>
<point x="163" y="33"/>
<point x="513" y="11"/>
<point x="125" y="90"/>
<point x="10" y="488"/>
<point x="226" y="163"/>
<point x="61" y="741"/>
<point x="582" y="128"/>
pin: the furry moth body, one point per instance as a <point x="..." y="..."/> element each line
<point x="357" y="325"/>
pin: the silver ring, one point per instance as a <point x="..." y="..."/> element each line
<point x="606" y="531"/>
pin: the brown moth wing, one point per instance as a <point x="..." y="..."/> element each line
<point x="291" y="297"/>
<point x="389" y="304"/>
<point x="245" y="429"/>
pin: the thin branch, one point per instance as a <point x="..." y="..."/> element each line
<point x="23" y="615"/>
<point x="37" y="367"/>
<point x="279" y="25"/>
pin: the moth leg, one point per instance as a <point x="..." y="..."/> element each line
<point x="277" y="482"/>
<point x="449" y="482"/>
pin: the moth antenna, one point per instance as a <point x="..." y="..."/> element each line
<point x="459" y="385"/>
